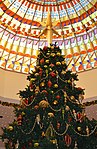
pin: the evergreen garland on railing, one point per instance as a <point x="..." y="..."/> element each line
<point x="88" y="103"/>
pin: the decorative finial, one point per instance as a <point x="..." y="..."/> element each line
<point x="49" y="29"/>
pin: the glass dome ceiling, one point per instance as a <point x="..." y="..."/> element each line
<point x="20" y="25"/>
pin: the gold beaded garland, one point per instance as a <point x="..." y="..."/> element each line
<point x="72" y="97"/>
<point x="65" y="94"/>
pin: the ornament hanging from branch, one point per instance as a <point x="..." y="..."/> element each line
<point x="68" y="140"/>
<point x="43" y="104"/>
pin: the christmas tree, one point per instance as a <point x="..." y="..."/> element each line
<point x="51" y="114"/>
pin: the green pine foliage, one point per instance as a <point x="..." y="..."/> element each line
<point x="52" y="114"/>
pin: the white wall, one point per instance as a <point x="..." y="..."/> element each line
<point x="12" y="82"/>
<point x="88" y="81"/>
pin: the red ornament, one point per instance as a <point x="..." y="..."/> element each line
<point x="31" y="97"/>
<point x="23" y="147"/>
<point x="30" y="144"/>
<point x="79" y="116"/>
<point x="49" y="83"/>
<point x="58" y="125"/>
<point x="40" y="72"/>
<point x="69" y="119"/>
<point x="44" y="48"/>
<point x="51" y="65"/>
<point x="36" y="107"/>
<point x="19" y="120"/>
<point x="79" y="88"/>
<point x="52" y="74"/>
<point x="26" y="101"/>
<point x="58" y="96"/>
<point x="44" y="91"/>
<point x="42" y="61"/>
<point x="68" y="140"/>
<point x="31" y="86"/>
<point x="10" y="143"/>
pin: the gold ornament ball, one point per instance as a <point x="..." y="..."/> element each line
<point x="52" y="92"/>
<point x="15" y="122"/>
<point x="56" y="85"/>
<point x="67" y="108"/>
<point x="81" y="97"/>
<point x="47" y="53"/>
<point x="23" y="113"/>
<point x="37" y="88"/>
<point x="10" y="128"/>
<point x="55" y="102"/>
<point x="50" y="114"/>
<point x="42" y="84"/>
<point x="43" y="134"/>
<point x="69" y="81"/>
<point x="38" y="67"/>
<point x="96" y="133"/>
<point x="32" y="79"/>
<point x="43" y="104"/>
<point x="45" y="66"/>
<point x="36" y="74"/>
<point x="36" y="107"/>
<point x="63" y="72"/>
<point x="50" y="69"/>
<point x="34" y="70"/>
<point x="58" y="53"/>
<point x="54" y="141"/>
<point x="47" y="61"/>
<point x="63" y="62"/>
<point x="52" y="54"/>
<point x="36" y="144"/>
<point x="52" y="47"/>
<point x="72" y="97"/>
<point x="36" y="91"/>
<point x="65" y="94"/>
<point x="58" y="63"/>
<point x="79" y="128"/>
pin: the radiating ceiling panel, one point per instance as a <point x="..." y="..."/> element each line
<point x="20" y="26"/>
